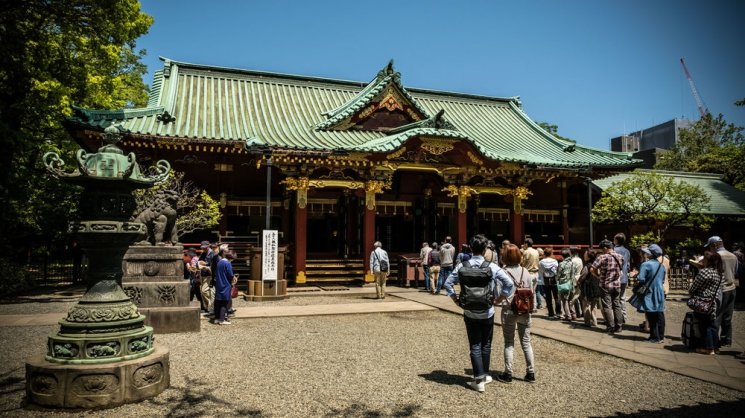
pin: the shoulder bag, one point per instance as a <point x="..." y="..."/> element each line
<point x="704" y="305"/>
<point x="641" y="289"/>
<point x="567" y="285"/>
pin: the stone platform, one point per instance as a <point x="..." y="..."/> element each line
<point x="96" y="385"/>
<point x="154" y="280"/>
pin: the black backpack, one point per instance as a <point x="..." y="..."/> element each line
<point x="474" y="286"/>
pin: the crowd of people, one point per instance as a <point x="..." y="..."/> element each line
<point x="211" y="280"/>
<point x="572" y="286"/>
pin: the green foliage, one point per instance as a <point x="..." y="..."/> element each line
<point x="196" y="209"/>
<point x="711" y="145"/>
<point x="14" y="279"/>
<point x="553" y="130"/>
<point x="639" y="240"/>
<point x="660" y="202"/>
<point x="54" y="54"/>
<point x="691" y="245"/>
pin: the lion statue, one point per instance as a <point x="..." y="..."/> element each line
<point x="160" y="218"/>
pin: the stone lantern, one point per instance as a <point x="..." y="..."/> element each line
<point x="103" y="354"/>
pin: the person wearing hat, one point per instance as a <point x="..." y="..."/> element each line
<point x="727" y="307"/>
<point x="652" y="304"/>
<point x="608" y="267"/>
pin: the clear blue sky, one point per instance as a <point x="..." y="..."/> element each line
<point x="596" y="69"/>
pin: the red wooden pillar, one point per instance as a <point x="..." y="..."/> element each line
<point x="368" y="238"/>
<point x="461" y="229"/>
<point x="301" y="240"/>
<point x="517" y="227"/>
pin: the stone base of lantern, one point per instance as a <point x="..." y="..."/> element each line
<point x="96" y="385"/>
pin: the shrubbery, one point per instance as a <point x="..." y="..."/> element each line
<point x="14" y="279"/>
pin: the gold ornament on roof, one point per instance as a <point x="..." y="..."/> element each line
<point x="396" y="154"/>
<point x="437" y="146"/>
<point x="474" y="159"/>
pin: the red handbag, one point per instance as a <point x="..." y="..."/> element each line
<point x="233" y="292"/>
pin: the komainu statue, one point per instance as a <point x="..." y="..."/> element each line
<point x="160" y="218"/>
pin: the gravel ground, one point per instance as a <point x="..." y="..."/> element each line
<point x="378" y="365"/>
<point x="333" y="299"/>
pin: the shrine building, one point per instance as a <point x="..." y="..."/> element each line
<point x="348" y="163"/>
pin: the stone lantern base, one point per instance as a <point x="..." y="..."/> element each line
<point x="96" y="385"/>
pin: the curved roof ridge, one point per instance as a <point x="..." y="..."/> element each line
<point x="567" y="145"/>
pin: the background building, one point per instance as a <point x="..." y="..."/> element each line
<point x="662" y="136"/>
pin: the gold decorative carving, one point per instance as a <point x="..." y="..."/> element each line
<point x="520" y="193"/>
<point x="474" y="159"/>
<point x="371" y="188"/>
<point x="492" y="190"/>
<point x="367" y="111"/>
<point x="437" y="146"/>
<point x="413" y="115"/>
<point x="349" y="184"/>
<point x="300" y="185"/>
<point x="396" y="154"/>
<point x="390" y="103"/>
<point x="462" y="192"/>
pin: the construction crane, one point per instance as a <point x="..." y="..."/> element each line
<point x="700" y="103"/>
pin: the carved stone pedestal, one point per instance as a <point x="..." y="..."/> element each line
<point x="96" y="385"/>
<point x="154" y="280"/>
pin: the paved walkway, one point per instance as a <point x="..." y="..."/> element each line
<point x="724" y="370"/>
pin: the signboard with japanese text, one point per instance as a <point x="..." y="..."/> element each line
<point x="269" y="259"/>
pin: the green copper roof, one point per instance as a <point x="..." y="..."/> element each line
<point x="725" y="199"/>
<point x="290" y="111"/>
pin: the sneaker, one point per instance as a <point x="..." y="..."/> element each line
<point x="740" y="356"/>
<point x="617" y="330"/>
<point x="226" y="322"/>
<point x="488" y="379"/>
<point x="530" y="377"/>
<point x="504" y="377"/>
<point x="477" y="385"/>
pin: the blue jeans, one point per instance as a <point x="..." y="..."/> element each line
<point x="540" y="296"/>
<point x="444" y="273"/>
<point x="426" y="277"/>
<point x="480" y="332"/>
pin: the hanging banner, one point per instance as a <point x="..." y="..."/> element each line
<point x="269" y="260"/>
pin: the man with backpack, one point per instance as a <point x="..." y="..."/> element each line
<point x="381" y="267"/>
<point x="479" y="293"/>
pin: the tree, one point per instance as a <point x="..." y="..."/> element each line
<point x="54" y="54"/>
<point x="660" y="202"/>
<point x="710" y="145"/>
<point x="553" y="130"/>
<point x="196" y="209"/>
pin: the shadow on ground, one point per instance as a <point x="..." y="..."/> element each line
<point x="198" y="398"/>
<point x="714" y="410"/>
<point x="363" y="411"/>
<point x="444" y="378"/>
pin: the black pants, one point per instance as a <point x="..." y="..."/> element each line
<point x="724" y="317"/>
<point x="552" y="299"/>
<point x="480" y="333"/>
<point x="221" y="310"/>
<point x="195" y="292"/>
<point x="656" y="321"/>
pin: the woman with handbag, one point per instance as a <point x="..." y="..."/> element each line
<point x="590" y="290"/>
<point x="649" y="293"/>
<point x="704" y="293"/>
<point x="513" y="317"/>
<point x="566" y="285"/>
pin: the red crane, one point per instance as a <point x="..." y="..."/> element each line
<point x="700" y="103"/>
